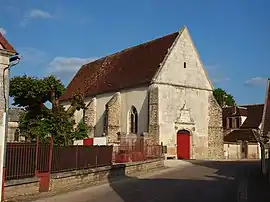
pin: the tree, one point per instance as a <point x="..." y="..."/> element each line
<point x="40" y="121"/>
<point x="223" y="98"/>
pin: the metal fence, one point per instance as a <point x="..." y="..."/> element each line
<point x="30" y="159"/>
<point x="27" y="160"/>
<point x="20" y="160"/>
<point x="122" y="154"/>
<point x="80" y="157"/>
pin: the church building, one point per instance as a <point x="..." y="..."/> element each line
<point x="158" y="89"/>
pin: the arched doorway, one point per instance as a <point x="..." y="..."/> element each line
<point x="183" y="144"/>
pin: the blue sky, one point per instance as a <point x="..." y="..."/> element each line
<point x="57" y="36"/>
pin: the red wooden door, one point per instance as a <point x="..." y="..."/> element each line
<point x="183" y="145"/>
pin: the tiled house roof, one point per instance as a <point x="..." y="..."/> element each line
<point x="234" y="111"/>
<point x="244" y="135"/>
<point x="254" y="116"/>
<point x="5" y="44"/>
<point x="132" y="67"/>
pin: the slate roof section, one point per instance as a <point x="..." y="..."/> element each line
<point x="132" y="67"/>
<point x="230" y="111"/>
<point x="244" y="135"/>
<point x="254" y="118"/>
<point x="14" y="114"/>
<point x="254" y="114"/>
<point x="6" y="44"/>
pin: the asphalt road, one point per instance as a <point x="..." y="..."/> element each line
<point x="204" y="181"/>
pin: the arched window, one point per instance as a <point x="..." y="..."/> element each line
<point x="105" y="120"/>
<point x="133" y="117"/>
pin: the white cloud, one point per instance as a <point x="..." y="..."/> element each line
<point x="36" y="13"/>
<point x="3" y="31"/>
<point x="256" y="81"/>
<point x="66" y="67"/>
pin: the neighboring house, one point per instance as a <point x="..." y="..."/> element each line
<point x="240" y="123"/>
<point x="6" y="51"/>
<point x="158" y="89"/>
<point x="13" y="124"/>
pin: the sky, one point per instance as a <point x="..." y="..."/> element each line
<point x="57" y="37"/>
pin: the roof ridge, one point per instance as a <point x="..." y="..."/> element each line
<point x="129" y="48"/>
<point x="250" y="105"/>
<point x="127" y="68"/>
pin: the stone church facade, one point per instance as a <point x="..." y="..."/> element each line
<point x="159" y="89"/>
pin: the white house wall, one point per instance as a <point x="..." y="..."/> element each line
<point x="138" y="97"/>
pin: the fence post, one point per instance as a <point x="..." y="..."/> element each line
<point x="51" y="155"/>
<point x="97" y="156"/>
<point x="77" y="151"/>
<point x="44" y="177"/>
<point x="36" y="159"/>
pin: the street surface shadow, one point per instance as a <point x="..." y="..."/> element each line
<point x="207" y="181"/>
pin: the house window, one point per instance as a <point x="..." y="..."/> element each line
<point x="237" y="122"/>
<point x="133" y="118"/>
<point x="229" y="122"/>
<point x="233" y="122"/>
<point x="185" y="64"/>
<point x="16" y="135"/>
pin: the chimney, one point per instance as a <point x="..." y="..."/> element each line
<point x="234" y="109"/>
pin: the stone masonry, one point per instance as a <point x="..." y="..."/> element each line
<point x="113" y="117"/>
<point x="215" y="132"/>
<point x="90" y="117"/>
<point x="153" y="127"/>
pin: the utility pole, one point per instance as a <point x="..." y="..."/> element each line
<point x="13" y="60"/>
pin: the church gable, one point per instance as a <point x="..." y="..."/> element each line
<point x="183" y="66"/>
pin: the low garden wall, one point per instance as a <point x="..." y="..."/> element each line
<point x="23" y="189"/>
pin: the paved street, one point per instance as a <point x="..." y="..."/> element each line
<point x="207" y="181"/>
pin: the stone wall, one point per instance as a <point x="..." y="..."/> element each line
<point x="153" y="127"/>
<point x="90" y="117"/>
<point x="21" y="190"/>
<point x="215" y="130"/>
<point x="113" y="113"/>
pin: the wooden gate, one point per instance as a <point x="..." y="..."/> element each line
<point x="183" y="144"/>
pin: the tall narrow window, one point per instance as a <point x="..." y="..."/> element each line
<point x="133" y="120"/>
<point x="230" y="122"/>
<point x="185" y="64"/>
<point x="105" y="121"/>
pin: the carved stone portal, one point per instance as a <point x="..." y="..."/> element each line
<point x="184" y="120"/>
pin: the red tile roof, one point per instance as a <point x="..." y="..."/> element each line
<point x="129" y="68"/>
<point x="5" y="44"/>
